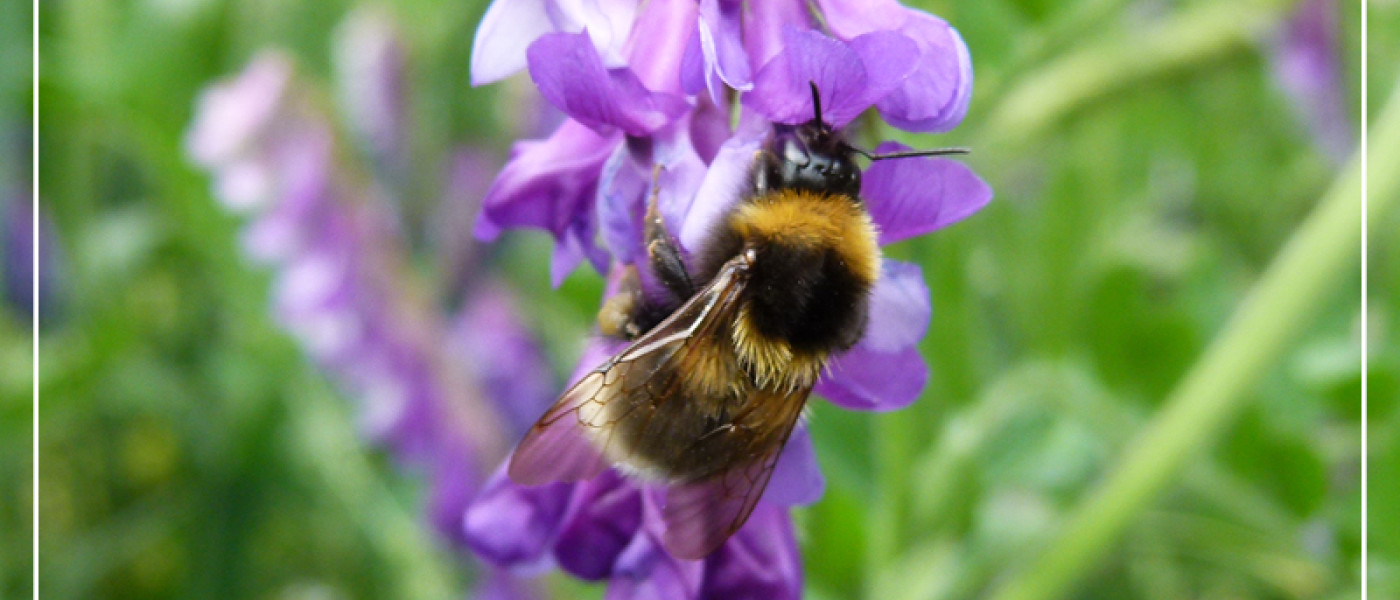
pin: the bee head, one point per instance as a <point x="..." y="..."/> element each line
<point x="813" y="157"/>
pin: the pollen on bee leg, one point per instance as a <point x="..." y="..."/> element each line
<point x="615" y="317"/>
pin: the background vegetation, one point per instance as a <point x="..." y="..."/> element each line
<point x="1148" y="167"/>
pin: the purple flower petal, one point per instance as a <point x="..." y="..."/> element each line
<point x="244" y="185"/>
<point x="865" y="379"/>
<point x="498" y="584"/>
<point x="719" y="190"/>
<point x="231" y="114"/>
<point x="511" y="525"/>
<point x="645" y="571"/>
<point x="935" y="96"/>
<point x="884" y="371"/>
<point x="722" y="45"/>
<point x="908" y="197"/>
<point x="899" y="308"/>
<point x="850" y="18"/>
<point x="506" y="30"/>
<point x="509" y="26"/>
<point x="709" y="128"/>
<point x="763" y="30"/>
<point x="605" y="515"/>
<point x="659" y="42"/>
<point x="850" y="76"/>
<point x="760" y="561"/>
<point x="302" y="169"/>
<point x="470" y="172"/>
<point x="694" y="73"/>
<point x="608" y="22"/>
<point x="797" y="478"/>
<point x="682" y="171"/>
<point x="1307" y="64"/>
<point x="455" y="476"/>
<point x="546" y="182"/>
<point x="621" y="192"/>
<point x="571" y="76"/>
<point x="17" y="247"/>
<point x="551" y="184"/>
<point x="490" y="340"/>
<point x="571" y="249"/>
<point x="887" y="57"/>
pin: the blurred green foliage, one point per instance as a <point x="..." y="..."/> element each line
<point x="188" y="450"/>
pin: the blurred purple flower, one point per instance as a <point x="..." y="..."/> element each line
<point x="370" y="71"/>
<point x="590" y="180"/>
<point x="445" y="394"/>
<point x="489" y="340"/>
<point x="339" y="283"/>
<point x="18" y="243"/>
<point x="461" y="254"/>
<point x="1308" y="65"/>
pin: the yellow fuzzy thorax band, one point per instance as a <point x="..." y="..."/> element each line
<point x="808" y="219"/>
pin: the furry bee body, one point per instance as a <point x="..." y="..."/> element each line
<point x="806" y="264"/>
<point x="816" y="259"/>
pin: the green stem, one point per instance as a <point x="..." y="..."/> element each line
<point x="1213" y="391"/>
<point x="1121" y="62"/>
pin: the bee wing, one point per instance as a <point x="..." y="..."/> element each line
<point x="571" y="440"/>
<point x="700" y="516"/>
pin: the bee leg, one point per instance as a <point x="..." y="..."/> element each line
<point x="665" y="256"/>
<point x="716" y="431"/>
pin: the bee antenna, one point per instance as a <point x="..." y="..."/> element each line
<point x="816" y="101"/>
<point x="910" y="153"/>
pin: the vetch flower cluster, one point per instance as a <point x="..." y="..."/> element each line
<point x="653" y="84"/>
<point x="442" y="392"/>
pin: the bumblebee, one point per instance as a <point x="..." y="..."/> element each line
<point x="719" y="368"/>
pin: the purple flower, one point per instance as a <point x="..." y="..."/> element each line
<point x="1307" y="64"/>
<point x="631" y="111"/>
<point x="552" y="184"/>
<point x="369" y="61"/>
<point x="851" y="76"/>
<point x="935" y="95"/>
<point x="910" y="65"/>
<point x="610" y="529"/>
<point x="19" y="245"/>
